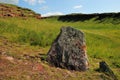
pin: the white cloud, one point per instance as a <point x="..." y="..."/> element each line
<point x="33" y="2"/>
<point x="78" y="7"/>
<point x="52" y="14"/>
<point x="41" y="1"/>
<point x="9" y="1"/>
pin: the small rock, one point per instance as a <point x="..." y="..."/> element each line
<point x="105" y="68"/>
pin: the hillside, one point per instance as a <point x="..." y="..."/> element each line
<point x="83" y="17"/>
<point x="9" y="10"/>
<point x="113" y="18"/>
<point x="24" y="44"/>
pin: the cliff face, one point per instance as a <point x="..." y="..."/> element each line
<point x="8" y="10"/>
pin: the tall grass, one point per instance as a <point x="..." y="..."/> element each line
<point x="27" y="31"/>
<point x="103" y="40"/>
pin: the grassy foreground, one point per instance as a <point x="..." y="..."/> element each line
<point x="26" y="39"/>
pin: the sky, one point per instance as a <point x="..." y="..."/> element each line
<point x="61" y="7"/>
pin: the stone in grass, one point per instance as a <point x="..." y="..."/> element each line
<point x="105" y="68"/>
<point x="69" y="50"/>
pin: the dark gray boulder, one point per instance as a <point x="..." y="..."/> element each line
<point x="106" y="69"/>
<point x="69" y="50"/>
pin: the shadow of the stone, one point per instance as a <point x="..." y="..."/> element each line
<point x="43" y="57"/>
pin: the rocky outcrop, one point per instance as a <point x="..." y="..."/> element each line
<point x="38" y="16"/>
<point x="8" y="10"/>
<point x="69" y="50"/>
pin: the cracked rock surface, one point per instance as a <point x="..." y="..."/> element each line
<point x="69" y="50"/>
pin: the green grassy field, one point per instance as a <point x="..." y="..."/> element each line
<point x="102" y="40"/>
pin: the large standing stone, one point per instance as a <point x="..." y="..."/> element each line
<point x="69" y="50"/>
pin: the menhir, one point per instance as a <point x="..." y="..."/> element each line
<point x="69" y="50"/>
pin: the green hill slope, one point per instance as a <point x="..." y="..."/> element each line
<point x="113" y="18"/>
<point x="24" y="44"/>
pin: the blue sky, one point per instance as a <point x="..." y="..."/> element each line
<point x="59" y="7"/>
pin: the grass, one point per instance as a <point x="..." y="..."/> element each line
<point x="102" y="39"/>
